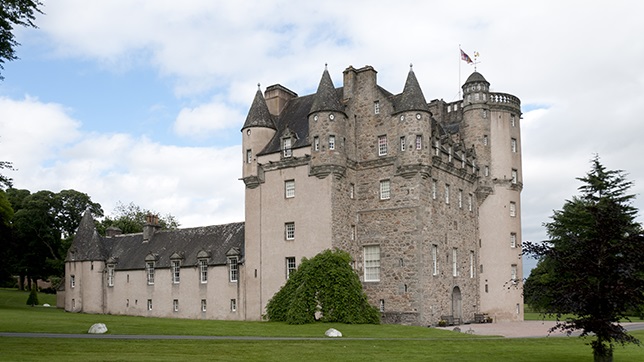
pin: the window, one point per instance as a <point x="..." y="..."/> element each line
<point x="316" y="143"/>
<point x="149" y="304"/>
<point x="176" y="269"/>
<point x="372" y="263"/>
<point x="434" y="191"/>
<point x="485" y="140"/>
<point x="382" y="145"/>
<point x="485" y="113"/>
<point x="469" y="202"/>
<point x="72" y="281"/>
<point x="149" y="268"/>
<point x="513" y="273"/>
<point x="233" y="305"/>
<point x="402" y="143"/>
<point x="460" y="199"/>
<point x="486" y="171"/>
<point x="463" y="160"/>
<point x="449" y="154"/>
<point x="203" y="305"/>
<point x="331" y="142"/>
<point x="471" y="264"/>
<point x="289" y="189"/>
<point x="382" y="305"/>
<point x="110" y="275"/>
<point x="385" y="190"/>
<point x="513" y="121"/>
<point x="514" y="176"/>
<point x="289" y="230"/>
<point x="353" y="232"/>
<point x="233" y="269"/>
<point x="287" y="147"/>
<point x="419" y="142"/>
<point x="352" y="191"/>
<point x="175" y="305"/>
<point x="437" y="147"/>
<point x="513" y="240"/>
<point x="203" y="270"/>
<point x="434" y="259"/>
<point x="290" y="266"/>
<point x="513" y="209"/>
<point x="249" y="156"/>
<point x="513" y="145"/>
<point x="454" y="262"/>
<point x="376" y="107"/>
<point x="446" y="193"/>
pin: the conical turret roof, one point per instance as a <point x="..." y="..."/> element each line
<point x="258" y="115"/>
<point x="326" y="97"/>
<point x="476" y="77"/>
<point x="87" y="244"/>
<point x="412" y="98"/>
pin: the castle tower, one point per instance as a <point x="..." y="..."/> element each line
<point x="491" y="124"/>
<point x="327" y="130"/>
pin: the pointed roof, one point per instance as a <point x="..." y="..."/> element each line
<point x="258" y="115"/>
<point x="326" y="97"/>
<point x="412" y="98"/>
<point x="87" y="244"/>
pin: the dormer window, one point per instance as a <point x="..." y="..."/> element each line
<point x="286" y="146"/>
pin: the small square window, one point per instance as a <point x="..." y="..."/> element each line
<point x="289" y="189"/>
<point x="289" y="230"/>
<point x="382" y="305"/>
<point x="402" y="143"/>
<point x="513" y="273"/>
<point x="486" y="171"/>
<point x="514" y="176"/>
<point x="513" y="120"/>
<point x="513" y="146"/>
<point x="513" y="240"/>
<point x="72" y="281"/>
<point x="331" y="142"/>
<point x="203" y="305"/>
<point x="385" y="190"/>
<point x="316" y="143"/>
<point x="513" y="209"/>
<point x="233" y="305"/>
<point x="149" y="304"/>
<point x="249" y="156"/>
<point x="382" y="145"/>
<point x="485" y="140"/>
<point x="352" y="191"/>
<point x="376" y="107"/>
<point x="419" y="142"/>
<point x="175" y="305"/>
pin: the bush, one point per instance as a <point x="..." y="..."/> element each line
<point x="33" y="295"/>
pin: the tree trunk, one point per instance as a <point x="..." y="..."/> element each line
<point x="607" y="357"/>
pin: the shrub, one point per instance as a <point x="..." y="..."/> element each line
<point x="33" y="295"/>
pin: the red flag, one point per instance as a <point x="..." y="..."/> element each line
<point x="465" y="57"/>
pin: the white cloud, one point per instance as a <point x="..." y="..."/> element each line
<point x="206" y="119"/>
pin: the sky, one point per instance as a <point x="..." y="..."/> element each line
<point x="142" y="101"/>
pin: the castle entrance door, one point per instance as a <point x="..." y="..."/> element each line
<point x="456" y="303"/>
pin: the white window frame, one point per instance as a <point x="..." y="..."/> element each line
<point x="110" y="275"/>
<point x="486" y="170"/>
<point x="291" y="265"/>
<point x="419" y="142"/>
<point x="352" y="191"/>
<point x="471" y="264"/>
<point x="376" y="107"/>
<point x="513" y="120"/>
<point x="382" y="145"/>
<point x="316" y="143"/>
<point x="289" y="231"/>
<point x="460" y="199"/>
<point x="72" y="281"/>
<point x="513" y="240"/>
<point x="514" y="273"/>
<point x="371" y="263"/>
<point x="470" y="202"/>
<point x="385" y="189"/>
<point x="286" y="146"/>
<point x="176" y="271"/>
<point x="515" y="176"/>
<point x="485" y="140"/>
<point x="203" y="271"/>
<point x="513" y="209"/>
<point x="233" y="305"/>
<point x="289" y="189"/>
<point x="513" y="145"/>
<point x="233" y="269"/>
<point x="149" y="271"/>
<point x="203" y="305"/>
<point x="455" y="262"/>
<point x="434" y="259"/>
<point x="449" y="154"/>
<point x="149" y="304"/>
<point x="437" y="146"/>
<point x="175" y="305"/>
<point x="353" y="232"/>
<point x="249" y="156"/>
<point x="402" y="143"/>
<point x="447" y="194"/>
<point x="434" y="189"/>
<point x="331" y="143"/>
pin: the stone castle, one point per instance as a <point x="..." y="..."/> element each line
<point x="425" y="196"/>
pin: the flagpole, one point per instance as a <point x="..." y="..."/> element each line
<point x="459" y="71"/>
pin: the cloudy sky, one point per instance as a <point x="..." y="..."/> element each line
<point x="142" y="101"/>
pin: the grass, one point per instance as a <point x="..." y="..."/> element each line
<point x="403" y="343"/>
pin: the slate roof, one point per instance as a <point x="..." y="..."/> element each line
<point x="476" y="77"/>
<point x="412" y="98"/>
<point x="129" y="251"/>
<point x="326" y="98"/>
<point x="258" y="114"/>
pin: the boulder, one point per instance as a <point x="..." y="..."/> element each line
<point x="46" y="305"/>
<point x="332" y="332"/>
<point x="97" y="328"/>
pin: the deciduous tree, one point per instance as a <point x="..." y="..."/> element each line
<point x="131" y="218"/>
<point x="12" y="13"/>
<point x="592" y="266"/>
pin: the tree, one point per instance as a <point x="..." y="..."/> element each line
<point x="33" y="296"/>
<point x="131" y="218"/>
<point x="5" y="182"/>
<point x="592" y="266"/>
<point x="6" y="215"/>
<point x="12" y="13"/>
<point x="326" y="284"/>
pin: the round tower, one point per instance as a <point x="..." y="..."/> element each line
<point x="257" y="131"/>
<point x="492" y="127"/>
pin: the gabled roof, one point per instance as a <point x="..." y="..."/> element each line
<point x="258" y="114"/>
<point x="326" y="98"/>
<point x="412" y="98"/>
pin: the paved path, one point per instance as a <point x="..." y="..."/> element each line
<point x="524" y="329"/>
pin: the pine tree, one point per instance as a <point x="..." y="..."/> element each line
<point x="33" y="295"/>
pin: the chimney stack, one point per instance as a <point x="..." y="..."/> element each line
<point x="150" y="227"/>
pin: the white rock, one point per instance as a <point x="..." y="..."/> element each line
<point x="46" y="305"/>
<point x="332" y="332"/>
<point x="98" y="328"/>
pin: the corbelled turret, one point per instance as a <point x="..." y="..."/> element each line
<point x="258" y="115"/>
<point x="412" y="98"/>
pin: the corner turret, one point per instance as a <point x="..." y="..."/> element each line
<point x="257" y="132"/>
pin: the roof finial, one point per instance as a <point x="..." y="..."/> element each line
<point x="325" y="66"/>
<point x="259" y="86"/>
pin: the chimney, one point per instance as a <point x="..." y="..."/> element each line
<point x="150" y="227"/>
<point x="113" y="231"/>
<point x="276" y="97"/>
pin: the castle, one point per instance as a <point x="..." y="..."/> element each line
<point x="424" y="196"/>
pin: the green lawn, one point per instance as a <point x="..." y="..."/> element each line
<point x="408" y="344"/>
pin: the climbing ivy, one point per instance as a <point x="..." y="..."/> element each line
<point x="326" y="284"/>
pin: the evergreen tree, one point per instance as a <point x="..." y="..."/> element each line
<point x="593" y="264"/>
<point x="33" y="295"/>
